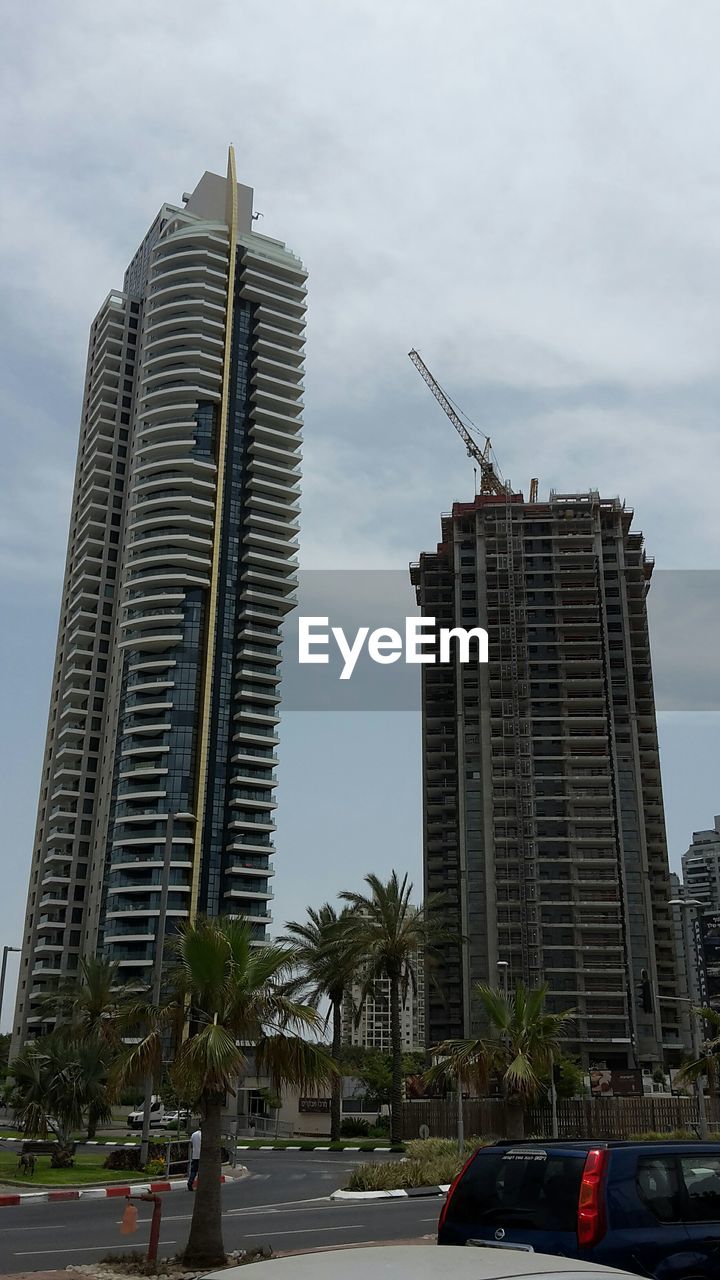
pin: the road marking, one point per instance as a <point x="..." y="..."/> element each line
<point x="53" y="1227"/>
<point x="322" y="1204"/>
<point x="304" y="1231"/>
<point x="280" y="1204"/>
<point x="89" y="1248"/>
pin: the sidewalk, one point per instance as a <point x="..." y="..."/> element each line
<point x="37" y="1275"/>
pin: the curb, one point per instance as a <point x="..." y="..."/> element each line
<point x="93" y="1142"/>
<point x="87" y="1142"/>
<point x="398" y="1194"/>
<point x="335" y="1150"/>
<point x="99" y="1193"/>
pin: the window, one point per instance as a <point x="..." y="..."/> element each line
<point x="701" y="1175"/>
<point x="658" y="1187"/>
<point x="534" y="1189"/>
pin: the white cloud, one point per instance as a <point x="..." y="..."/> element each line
<point x="529" y="192"/>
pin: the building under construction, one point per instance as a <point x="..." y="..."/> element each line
<point x="543" y="813"/>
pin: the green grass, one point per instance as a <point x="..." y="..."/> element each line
<point x="86" y="1170"/>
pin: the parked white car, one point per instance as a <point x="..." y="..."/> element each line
<point x="425" y="1262"/>
<point x="157" y="1115"/>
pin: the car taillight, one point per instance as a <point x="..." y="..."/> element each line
<point x="451" y="1191"/>
<point x="591" y="1222"/>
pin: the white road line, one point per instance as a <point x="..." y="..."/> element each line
<point x="279" y="1204"/>
<point x="321" y="1204"/>
<point x="304" y="1231"/>
<point x="90" y="1248"/>
<point x="55" y="1226"/>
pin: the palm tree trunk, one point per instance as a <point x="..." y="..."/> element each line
<point x="336" y="1086"/>
<point x="514" y="1119"/>
<point x="205" y="1244"/>
<point x="396" y="1092"/>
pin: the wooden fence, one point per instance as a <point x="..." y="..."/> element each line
<point x="577" y="1118"/>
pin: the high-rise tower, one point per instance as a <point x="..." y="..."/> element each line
<point x="182" y="560"/>
<point x="543" y="814"/>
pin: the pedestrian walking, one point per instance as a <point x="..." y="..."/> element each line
<point x="195" y="1144"/>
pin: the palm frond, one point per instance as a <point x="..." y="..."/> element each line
<point x="290" y="1060"/>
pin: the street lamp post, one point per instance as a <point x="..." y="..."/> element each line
<point x="503" y="967"/>
<point x="553" y="1098"/>
<point x="3" y="970"/>
<point x="460" y="1118"/>
<point x="691" y="905"/>
<point x="158" y="968"/>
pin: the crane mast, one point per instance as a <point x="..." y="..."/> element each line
<point x="490" y="482"/>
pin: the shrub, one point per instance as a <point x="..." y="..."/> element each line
<point x="129" y="1158"/>
<point x="440" y="1148"/>
<point x="154" y="1168"/>
<point x="354" y="1127"/>
<point x="381" y="1128"/>
<point x="123" y="1158"/>
<point x="62" y="1157"/>
<point x="392" y="1175"/>
<point x="683" y="1135"/>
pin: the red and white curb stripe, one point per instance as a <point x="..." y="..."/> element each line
<point x="98" y="1193"/>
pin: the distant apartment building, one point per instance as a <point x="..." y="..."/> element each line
<point x="701" y="884"/>
<point x="366" y="1021"/>
<point x="158" y="776"/>
<point x="701" y="867"/>
<point x="543" y="812"/>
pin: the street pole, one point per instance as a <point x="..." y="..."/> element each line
<point x="460" y="1119"/>
<point x="697" y="1050"/>
<point x="157" y="976"/>
<point x="688" y="906"/>
<point x="3" y="970"/>
<point x="697" y="1044"/>
<point x="553" y="1097"/>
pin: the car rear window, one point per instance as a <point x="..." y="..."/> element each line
<point x="525" y="1187"/>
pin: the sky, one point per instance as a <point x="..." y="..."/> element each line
<point x="528" y="191"/>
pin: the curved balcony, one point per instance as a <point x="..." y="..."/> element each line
<point x="176" y="465"/>
<point x="162" y="361"/>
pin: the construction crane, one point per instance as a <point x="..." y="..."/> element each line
<point x="490" y="481"/>
<point x="533" y="489"/>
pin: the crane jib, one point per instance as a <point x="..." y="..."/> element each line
<point x="490" y="482"/>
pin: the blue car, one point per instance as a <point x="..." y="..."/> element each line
<point x="652" y="1208"/>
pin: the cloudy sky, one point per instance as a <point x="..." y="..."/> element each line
<point x="526" y="190"/>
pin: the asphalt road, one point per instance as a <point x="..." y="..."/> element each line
<point x="283" y="1203"/>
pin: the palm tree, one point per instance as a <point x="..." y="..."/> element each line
<point x="90" y="1002"/>
<point x="708" y="1062"/>
<point x="522" y="1041"/>
<point x="387" y="932"/>
<point x="328" y="965"/>
<point x="232" y="993"/>
<point x="58" y="1081"/>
